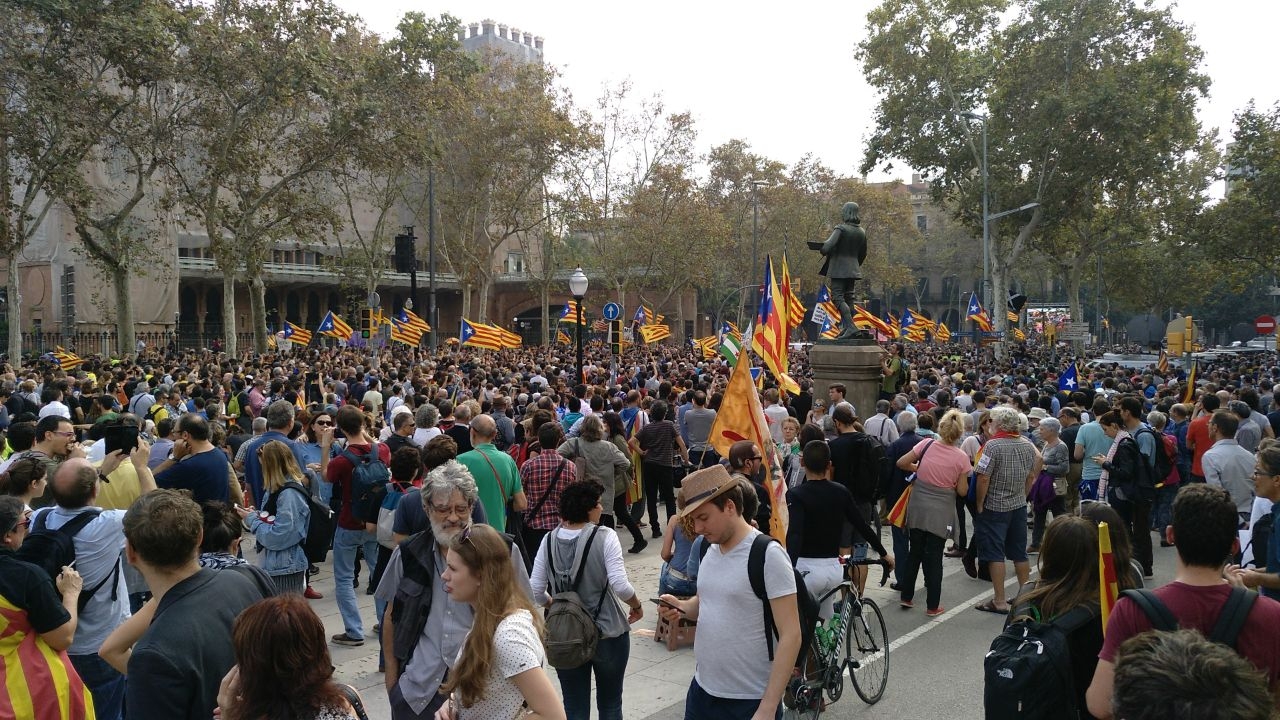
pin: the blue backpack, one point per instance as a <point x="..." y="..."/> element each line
<point x="369" y="477"/>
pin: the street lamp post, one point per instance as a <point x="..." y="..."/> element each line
<point x="986" y="220"/>
<point x="578" y="288"/>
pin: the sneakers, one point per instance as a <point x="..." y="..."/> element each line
<point x="906" y="604"/>
<point x="1033" y="550"/>
<point x="311" y="593"/>
<point x="345" y="639"/>
<point x="935" y="612"/>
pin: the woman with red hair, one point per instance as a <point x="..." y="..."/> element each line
<point x="282" y="667"/>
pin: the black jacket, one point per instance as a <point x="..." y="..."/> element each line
<point x="176" y="667"/>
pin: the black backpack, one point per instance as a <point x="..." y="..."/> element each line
<point x="1144" y="482"/>
<point x="1027" y="671"/>
<point x="369" y="477"/>
<point x="319" y="532"/>
<point x="51" y="550"/>
<point x="1163" y="465"/>
<point x="806" y="604"/>
<point x="871" y="470"/>
<point x="1260" y="540"/>
<point x="1226" y="629"/>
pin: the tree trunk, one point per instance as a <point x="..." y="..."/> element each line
<point x="14" y="311"/>
<point x="999" y="281"/>
<point x="258" y="311"/>
<point x="466" y="300"/>
<point x="545" y="297"/>
<point x="124" y="310"/>
<point x="485" y="284"/>
<point x="229" y="314"/>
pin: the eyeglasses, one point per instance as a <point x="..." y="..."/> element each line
<point x="1262" y="473"/>
<point x="757" y="458"/>
<point x="447" y="510"/>
<point x="65" y="433"/>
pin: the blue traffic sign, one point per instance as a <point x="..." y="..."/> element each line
<point x="612" y="311"/>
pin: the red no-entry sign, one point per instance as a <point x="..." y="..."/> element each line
<point x="1264" y="324"/>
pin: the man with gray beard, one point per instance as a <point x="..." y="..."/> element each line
<point x="423" y="627"/>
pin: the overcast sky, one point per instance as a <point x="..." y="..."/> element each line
<point x="782" y="76"/>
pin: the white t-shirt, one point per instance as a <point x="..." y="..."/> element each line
<point x="774" y="415"/>
<point x="516" y="648"/>
<point x="731" y="653"/>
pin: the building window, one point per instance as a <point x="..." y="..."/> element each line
<point x="515" y="264"/>
<point x="922" y="223"/>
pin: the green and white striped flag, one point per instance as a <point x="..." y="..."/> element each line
<point x="730" y="347"/>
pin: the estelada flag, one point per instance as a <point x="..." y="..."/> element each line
<point x="654" y="333"/>
<point x="942" y="334"/>
<point x="1190" y="394"/>
<point x="770" y="338"/>
<point x="479" y="335"/>
<point x="741" y="417"/>
<point x="1109" y="588"/>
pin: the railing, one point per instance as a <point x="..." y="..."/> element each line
<point x="106" y="343"/>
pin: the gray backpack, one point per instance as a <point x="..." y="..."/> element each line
<point x="572" y="634"/>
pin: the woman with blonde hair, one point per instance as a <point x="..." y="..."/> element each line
<point x="941" y="470"/>
<point x="281" y="526"/>
<point x="502" y="664"/>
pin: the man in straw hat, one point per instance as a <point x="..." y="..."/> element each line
<point x="735" y="675"/>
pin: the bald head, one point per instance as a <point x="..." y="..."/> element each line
<point x="75" y="484"/>
<point x="484" y="428"/>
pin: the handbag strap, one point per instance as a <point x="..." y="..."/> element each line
<point x="353" y="699"/>
<point x="496" y="477"/>
<point x="533" y="513"/>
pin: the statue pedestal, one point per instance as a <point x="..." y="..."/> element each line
<point x="856" y="363"/>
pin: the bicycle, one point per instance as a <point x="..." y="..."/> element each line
<point x="853" y="638"/>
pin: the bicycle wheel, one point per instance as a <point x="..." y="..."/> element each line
<point x="867" y="643"/>
<point x="839" y="659"/>
<point x="803" y="696"/>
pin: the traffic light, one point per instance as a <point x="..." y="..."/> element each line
<point x="406" y="251"/>
<point x="615" y="337"/>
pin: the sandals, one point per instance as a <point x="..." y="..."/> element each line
<point x="990" y="607"/>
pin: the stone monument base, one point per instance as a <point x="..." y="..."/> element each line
<point x="856" y="363"/>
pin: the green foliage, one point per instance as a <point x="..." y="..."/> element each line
<point x="1089" y="105"/>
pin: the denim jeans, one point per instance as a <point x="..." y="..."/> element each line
<point x="701" y="705"/>
<point x="104" y="683"/>
<point x="345" y="544"/>
<point x="901" y="548"/>
<point x="609" y="666"/>
<point x="674" y="586"/>
<point x="1162" y="512"/>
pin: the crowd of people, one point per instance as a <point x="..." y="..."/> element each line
<point x="510" y="479"/>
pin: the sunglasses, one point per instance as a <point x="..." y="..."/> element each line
<point x="466" y="535"/>
<point x="324" y="423"/>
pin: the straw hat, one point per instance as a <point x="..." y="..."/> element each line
<point x="704" y="485"/>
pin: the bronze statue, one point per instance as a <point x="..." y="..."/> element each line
<point x="845" y="251"/>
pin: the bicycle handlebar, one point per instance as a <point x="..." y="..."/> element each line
<point x="847" y="560"/>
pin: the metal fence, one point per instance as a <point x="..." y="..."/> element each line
<point x="106" y="343"/>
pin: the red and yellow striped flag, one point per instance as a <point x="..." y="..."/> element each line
<point x="1109" y="588"/>
<point x="741" y="417"/>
